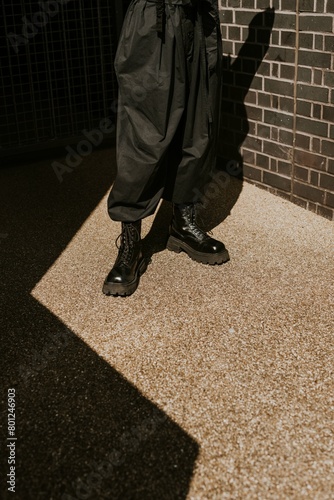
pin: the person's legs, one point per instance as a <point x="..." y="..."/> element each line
<point x="195" y="157"/>
<point x="198" y="142"/>
<point x="167" y="88"/>
<point x="152" y="93"/>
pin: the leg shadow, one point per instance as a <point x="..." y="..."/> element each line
<point x="155" y="241"/>
<point x="222" y="192"/>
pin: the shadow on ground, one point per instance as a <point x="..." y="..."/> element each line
<point x="83" y="431"/>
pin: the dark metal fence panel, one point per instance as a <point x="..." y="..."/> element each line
<point x="56" y="69"/>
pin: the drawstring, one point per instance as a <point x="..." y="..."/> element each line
<point x="160" y="7"/>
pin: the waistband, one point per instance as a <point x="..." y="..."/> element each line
<point x="160" y="6"/>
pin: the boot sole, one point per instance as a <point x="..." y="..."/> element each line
<point x="175" y="245"/>
<point x="122" y="290"/>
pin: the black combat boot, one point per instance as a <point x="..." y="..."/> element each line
<point x="130" y="264"/>
<point x="187" y="236"/>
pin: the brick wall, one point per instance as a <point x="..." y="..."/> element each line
<point x="278" y="97"/>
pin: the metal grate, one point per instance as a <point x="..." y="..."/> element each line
<point x="56" y="69"/>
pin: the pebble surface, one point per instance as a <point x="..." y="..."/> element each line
<point x="238" y="356"/>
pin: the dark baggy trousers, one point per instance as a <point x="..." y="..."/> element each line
<point x="168" y="104"/>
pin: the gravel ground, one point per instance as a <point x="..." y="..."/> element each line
<point x="210" y="382"/>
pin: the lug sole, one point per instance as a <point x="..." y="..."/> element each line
<point x="175" y="245"/>
<point x="122" y="289"/>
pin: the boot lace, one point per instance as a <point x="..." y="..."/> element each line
<point x="194" y="226"/>
<point x="125" y="242"/>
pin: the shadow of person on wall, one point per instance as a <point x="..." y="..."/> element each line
<point x="224" y="188"/>
<point x="237" y="77"/>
